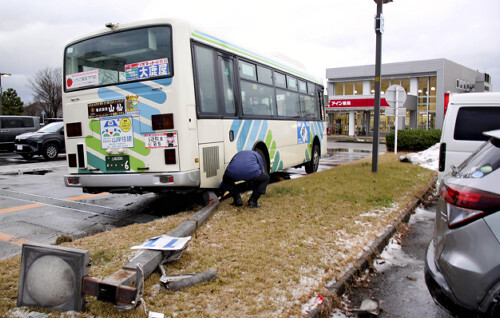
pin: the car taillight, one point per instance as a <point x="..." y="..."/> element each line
<point x="465" y="204"/>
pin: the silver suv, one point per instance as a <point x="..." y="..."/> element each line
<point x="462" y="267"/>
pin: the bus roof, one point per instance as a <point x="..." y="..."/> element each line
<point x="197" y="33"/>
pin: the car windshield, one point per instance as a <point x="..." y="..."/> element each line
<point x="485" y="160"/>
<point x="51" y="128"/>
<point x="118" y="57"/>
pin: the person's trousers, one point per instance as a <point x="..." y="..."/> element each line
<point x="259" y="186"/>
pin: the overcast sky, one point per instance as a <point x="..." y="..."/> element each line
<point x="320" y="34"/>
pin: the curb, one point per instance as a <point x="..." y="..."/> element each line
<point x="30" y="168"/>
<point x="371" y="252"/>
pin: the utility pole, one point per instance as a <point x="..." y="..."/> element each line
<point x="379" y="29"/>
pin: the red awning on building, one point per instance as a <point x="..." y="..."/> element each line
<point x="355" y="103"/>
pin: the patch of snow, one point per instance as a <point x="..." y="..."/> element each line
<point x="421" y="215"/>
<point x="392" y="255"/>
<point x="428" y="158"/>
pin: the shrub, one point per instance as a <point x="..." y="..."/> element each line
<point x="413" y="140"/>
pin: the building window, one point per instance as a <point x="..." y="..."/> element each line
<point x="349" y="88"/>
<point x="339" y="89"/>
<point x="426" y="102"/>
<point x="358" y="88"/>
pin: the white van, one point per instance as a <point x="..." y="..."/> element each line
<point x="467" y="117"/>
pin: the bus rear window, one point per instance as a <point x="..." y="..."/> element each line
<point x="125" y="56"/>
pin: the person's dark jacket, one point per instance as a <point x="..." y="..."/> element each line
<point x="245" y="165"/>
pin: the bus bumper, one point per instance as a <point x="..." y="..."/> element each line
<point x="134" y="182"/>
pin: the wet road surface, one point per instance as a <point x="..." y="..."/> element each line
<point x="397" y="282"/>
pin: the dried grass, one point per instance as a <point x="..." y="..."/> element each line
<point x="270" y="261"/>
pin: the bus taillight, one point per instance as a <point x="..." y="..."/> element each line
<point x="162" y="121"/>
<point x="72" y="160"/>
<point x="170" y="157"/>
<point x="74" y="129"/>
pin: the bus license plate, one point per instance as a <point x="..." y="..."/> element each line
<point x="117" y="163"/>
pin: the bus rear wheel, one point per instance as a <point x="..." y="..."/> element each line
<point x="263" y="156"/>
<point x="312" y="166"/>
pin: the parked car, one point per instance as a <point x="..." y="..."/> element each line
<point x="11" y="126"/>
<point x="467" y="116"/>
<point x="462" y="266"/>
<point x="48" y="142"/>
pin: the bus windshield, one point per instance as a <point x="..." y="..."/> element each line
<point x="130" y="55"/>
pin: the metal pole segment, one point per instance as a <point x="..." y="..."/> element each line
<point x="396" y="124"/>
<point x="121" y="286"/>
<point x="378" y="59"/>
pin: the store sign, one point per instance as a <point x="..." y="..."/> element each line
<point x="355" y="102"/>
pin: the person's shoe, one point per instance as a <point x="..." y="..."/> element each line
<point x="237" y="202"/>
<point x="253" y="204"/>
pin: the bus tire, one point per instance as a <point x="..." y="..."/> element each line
<point x="264" y="159"/>
<point x="312" y="166"/>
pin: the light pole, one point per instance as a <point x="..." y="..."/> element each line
<point x="2" y="75"/>
<point x="379" y="29"/>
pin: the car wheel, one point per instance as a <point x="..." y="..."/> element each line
<point x="27" y="156"/>
<point x="50" y="151"/>
<point x="312" y="166"/>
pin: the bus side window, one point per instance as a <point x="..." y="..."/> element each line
<point x="206" y="94"/>
<point x="226" y="69"/>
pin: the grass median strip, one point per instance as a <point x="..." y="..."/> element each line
<point x="270" y="261"/>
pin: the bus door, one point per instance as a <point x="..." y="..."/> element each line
<point x="216" y="102"/>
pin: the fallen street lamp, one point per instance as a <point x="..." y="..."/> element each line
<point x="2" y="75"/>
<point x="56" y="278"/>
<point x="379" y="29"/>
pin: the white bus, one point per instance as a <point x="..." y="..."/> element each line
<point x="161" y="106"/>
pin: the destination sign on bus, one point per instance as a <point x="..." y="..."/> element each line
<point x="146" y="69"/>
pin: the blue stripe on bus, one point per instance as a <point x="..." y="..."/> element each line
<point x="145" y="91"/>
<point x="235" y="126"/>
<point x="263" y="131"/>
<point x="252" y="138"/>
<point x="243" y="135"/>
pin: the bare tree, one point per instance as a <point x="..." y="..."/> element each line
<point x="47" y="88"/>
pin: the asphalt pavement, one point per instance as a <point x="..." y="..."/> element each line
<point x="397" y="281"/>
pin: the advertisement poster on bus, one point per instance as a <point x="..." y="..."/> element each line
<point x="116" y="133"/>
<point x="303" y="132"/>
<point x="106" y="108"/>
<point x="88" y="78"/>
<point x="161" y="140"/>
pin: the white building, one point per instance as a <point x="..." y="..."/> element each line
<point x="428" y="85"/>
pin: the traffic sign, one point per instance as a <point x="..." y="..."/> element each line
<point x="400" y="111"/>
<point x="395" y="95"/>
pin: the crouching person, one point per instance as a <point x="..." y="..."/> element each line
<point x="246" y="165"/>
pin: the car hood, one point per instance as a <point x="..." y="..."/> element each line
<point x="32" y="134"/>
